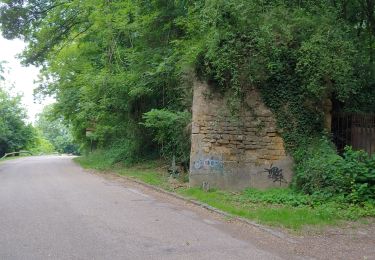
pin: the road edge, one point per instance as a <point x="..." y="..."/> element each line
<point x="276" y="233"/>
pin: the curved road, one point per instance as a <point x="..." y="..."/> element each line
<point x="52" y="209"/>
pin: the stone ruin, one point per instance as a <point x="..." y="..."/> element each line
<point x="235" y="152"/>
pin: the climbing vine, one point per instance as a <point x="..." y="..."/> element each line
<point x="297" y="56"/>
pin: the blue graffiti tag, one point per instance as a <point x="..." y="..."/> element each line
<point x="198" y="164"/>
<point x="208" y="163"/>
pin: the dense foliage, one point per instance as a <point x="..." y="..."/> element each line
<point x="168" y="127"/>
<point x="55" y="132"/>
<point x="15" y="133"/>
<point x="107" y="63"/>
<point x="322" y="172"/>
<point x="124" y="68"/>
<point x="40" y="145"/>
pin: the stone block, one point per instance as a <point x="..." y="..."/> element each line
<point x="195" y="128"/>
<point x="223" y="141"/>
<point x="206" y="150"/>
<point x="240" y="137"/>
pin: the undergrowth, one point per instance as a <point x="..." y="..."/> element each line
<point x="282" y="207"/>
<point x="324" y="174"/>
<point x="145" y="171"/>
<point x="285" y="208"/>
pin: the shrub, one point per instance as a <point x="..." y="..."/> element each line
<point x="320" y="171"/>
<point x="171" y="132"/>
<point x="124" y="150"/>
<point x="361" y="170"/>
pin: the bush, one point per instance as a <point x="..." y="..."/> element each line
<point x="171" y="132"/>
<point x="361" y="170"/>
<point x="123" y="150"/>
<point x="320" y="171"/>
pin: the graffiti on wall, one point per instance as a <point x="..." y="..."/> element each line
<point x="209" y="163"/>
<point x="275" y="174"/>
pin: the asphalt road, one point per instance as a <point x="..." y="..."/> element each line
<point x="52" y="209"/>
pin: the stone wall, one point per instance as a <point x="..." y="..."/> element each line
<point x="232" y="152"/>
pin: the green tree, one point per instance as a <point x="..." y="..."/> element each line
<point x="107" y="63"/>
<point x="39" y="144"/>
<point x="52" y="130"/>
<point x="15" y="134"/>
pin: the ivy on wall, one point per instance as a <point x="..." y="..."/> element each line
<point x="297" y="56"/>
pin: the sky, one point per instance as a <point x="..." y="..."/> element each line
<point x="21" y="77"/>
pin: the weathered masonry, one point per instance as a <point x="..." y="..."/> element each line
<point x="235" y="152"/>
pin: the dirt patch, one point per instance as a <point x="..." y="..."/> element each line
<point x="352" y="240"/>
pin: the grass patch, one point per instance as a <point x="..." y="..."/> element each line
<point x="275" y="207"/>
<point x="263" y="211"/>
<point x="96" y="161"/>
<point x="281" y="207"/>
<point x="150" y="177"/>
<point x="147" y="171"/>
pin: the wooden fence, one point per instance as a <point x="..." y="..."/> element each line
<point x="356" y="130"/>
<point x="15" y="154"/>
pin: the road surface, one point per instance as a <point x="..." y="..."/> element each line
<point x="52" y="209"/>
